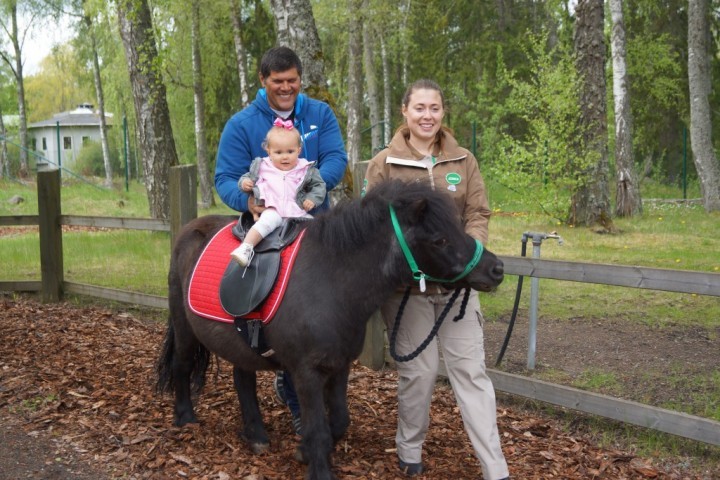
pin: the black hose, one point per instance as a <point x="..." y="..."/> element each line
<point x="523" y="250"/>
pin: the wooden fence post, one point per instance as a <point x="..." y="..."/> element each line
<point x="183" y="197"/>
<point x="51" y="251"/>
<point x="373" y="354"/>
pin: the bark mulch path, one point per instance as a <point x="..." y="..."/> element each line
<point x="77" y="401"/>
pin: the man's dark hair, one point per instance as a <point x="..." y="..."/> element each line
<point x="279" y="59"/>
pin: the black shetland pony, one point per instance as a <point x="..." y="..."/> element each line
<point x="349" y="263"/>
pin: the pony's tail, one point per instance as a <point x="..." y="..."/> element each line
<point x="200" y="362"/>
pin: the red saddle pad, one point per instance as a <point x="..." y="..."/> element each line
<point x="204" y="291"/>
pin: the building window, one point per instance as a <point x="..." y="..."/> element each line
<point x="85" y="141"/>
<point x="67" y="143"/>
<point x="44" y="144"/>
<point x="33" y="143"/>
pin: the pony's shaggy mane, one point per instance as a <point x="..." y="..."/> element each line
<point x="359" y="221"/>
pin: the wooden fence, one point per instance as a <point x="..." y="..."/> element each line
<point x="52" y="285"/>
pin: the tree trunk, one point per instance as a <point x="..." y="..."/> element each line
<point x="16" y="65"/>
<point x="101" y="104"/>
<point x="373" y="99"/>
<point x="591" y="203"/>
<point x="240" y="53"/>
<point x="354" y="109"/>
<point x="154" y="131"/>
<point x="206" y="193"/>
<point x="387" y="92"/>
<point x="4" y="160"/>
<point x="296" y="29"/>
<point x="627" y="201"/>
<point x="706" y="163"/>
<point x="407" y="5"/>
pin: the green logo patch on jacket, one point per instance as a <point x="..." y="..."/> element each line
<point x="453" y="178"/>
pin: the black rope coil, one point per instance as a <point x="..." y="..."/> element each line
<point x="433" y="331"/>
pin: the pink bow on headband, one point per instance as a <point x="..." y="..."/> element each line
<point x="283" y="123"/>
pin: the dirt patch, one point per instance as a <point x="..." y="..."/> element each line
<point x="651" y="365"/>
<point x="77" y="398"/>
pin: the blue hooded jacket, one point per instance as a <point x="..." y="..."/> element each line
<point x="242" y="137"/>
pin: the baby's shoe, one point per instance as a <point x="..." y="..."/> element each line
<point x="243" y="254"/>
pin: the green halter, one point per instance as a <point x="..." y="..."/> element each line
<point x="418" y="274"/>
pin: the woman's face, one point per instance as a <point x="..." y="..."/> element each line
<point x="424" y="113"/>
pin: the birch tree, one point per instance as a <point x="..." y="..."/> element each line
<point x="296" y="29"/>
<point x="201" y="150"/>
<point x="4" y="159"/>
<point x="88" y="30"/>
<point x="627" y="199"/>
<point x="154" y="131"/>
<point x="355" y="56"/>
<point x="706" y="162"/>
<point x="591" y="203"/>
<point x="13" y="58"/>
<point x="240" y="53"/>
<point x="387" y="90"/>
<point x="373" y="97"/>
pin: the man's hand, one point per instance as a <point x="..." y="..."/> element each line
<point x="256" y="210"/>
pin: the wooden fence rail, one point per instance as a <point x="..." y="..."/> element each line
<point x="182" y="197"/>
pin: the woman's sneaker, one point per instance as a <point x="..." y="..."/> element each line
<point x="243" y="254"/>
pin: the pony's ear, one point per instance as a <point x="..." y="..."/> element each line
<point x="417" y="209"/>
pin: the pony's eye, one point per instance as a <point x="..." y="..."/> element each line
<point x="440" y="242"/>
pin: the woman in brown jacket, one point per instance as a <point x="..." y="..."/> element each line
<point x="423" y="150"/>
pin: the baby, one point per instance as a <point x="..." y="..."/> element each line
<point x="287" y="185"/>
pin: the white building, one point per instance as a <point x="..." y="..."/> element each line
<point x="66" y="133"/>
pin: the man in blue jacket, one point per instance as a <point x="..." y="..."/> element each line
<point x="241" y="142"/>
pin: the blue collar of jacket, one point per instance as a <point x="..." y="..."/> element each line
<point x="299" y="104"/>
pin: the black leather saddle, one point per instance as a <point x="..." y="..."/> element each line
<point x="243" y="289"/>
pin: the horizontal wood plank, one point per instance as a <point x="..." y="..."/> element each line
<point x="13" y="220"/>
<point x="668" y="421"/>
<point x="117" y="222"/>
<point x="123" y="296"/>
<point x="20" y="285"/>
<point x="683" y="281"/>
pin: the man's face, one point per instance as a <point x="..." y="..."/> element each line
<point x="282" y="89"/>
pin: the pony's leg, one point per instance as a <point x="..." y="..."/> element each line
<point x="253" y="428"/>
<point x="317" y="443"/>
<point x="185" y="356"/>
<point x="336" y="395"/>
<point x="183" y="364"/>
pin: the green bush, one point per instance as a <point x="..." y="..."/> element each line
<point x="90" y="162"/>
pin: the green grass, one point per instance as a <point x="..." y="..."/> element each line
<point x="81" y="198"/>
<point x="599" y="381"/>
<point x="123" y="259"/>
<point x="132" y="260"/>
<point x="32" y="405"/>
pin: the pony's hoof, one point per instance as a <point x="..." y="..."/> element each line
<point x="183" y="420"/>
<point x="258" y="447"/>
<point x="299" y="456"/>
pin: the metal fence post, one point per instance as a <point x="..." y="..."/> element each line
<point x="537" y="239"/>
